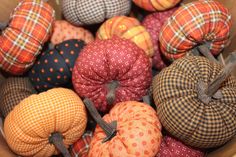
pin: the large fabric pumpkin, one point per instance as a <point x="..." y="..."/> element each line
<point x="130" y="129"/>
<point x="111" y="71"/>
<point x="85" y="12"/>
<point x="29" y="28"/>
<point x="204" y="22"/>
<point x="193" y="104"/>
<point x="35" y="122"/>
<point x="54" y="67"/>
<point x="127" y="28"/>
<point x="63" y="30"/>
<point x="13" y="90"/>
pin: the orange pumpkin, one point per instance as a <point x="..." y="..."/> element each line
<point x="134" y="130"/>
<point x="39" y="123"/>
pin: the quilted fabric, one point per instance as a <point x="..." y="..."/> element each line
<point x="153" y="23"/>
<point x="29" y="28"/>
<point x="104" y="61"/>
<point x="138" y="133"/>
<point x="175" y="92"/>
<point x="127" y="28"/>
<point x="203" y="21"/>
<point x="84" y="12"/>
<point x="63" y="30"/>
<point x="53" y="68"/>
<point x="30" y="124"/>
<point x="13" y="90"/>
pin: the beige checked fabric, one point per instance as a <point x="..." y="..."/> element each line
<point x="183" y="114"/>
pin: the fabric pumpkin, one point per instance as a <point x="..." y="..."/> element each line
<point x="32" y="123"/>
<point x="54" y="67"/>
<point x="111" y="71"/>
<point x="153" y="23"/>
<point x="130" y="129"/>
<point x="204" y="21"/>
<point x="29" y="28"/>
<point x="13" y="90"/>
<point x="183" y="94"/>
<point x="86" y="12"/>
<point x="127" y="28"/>
<point x="63" y="30"/>
<point x="156" y="5"/>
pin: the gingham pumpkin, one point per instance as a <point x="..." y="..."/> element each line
<point x="130" y="129"/>
<point x="190" y="106"/>
<point x="194" y="24"/>
<point x="85" y="12"/>
<point x="39" y="122"/>
<point x="127" y="28"/>
<point x="29" y="28"/>
<point x="111" y="71"/>
<point x="156" y="5"/>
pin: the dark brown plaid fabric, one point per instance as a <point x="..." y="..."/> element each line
<point x="183" y="114"/>
<point x="12" y="91"/>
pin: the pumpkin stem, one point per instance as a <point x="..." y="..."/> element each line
<point x="109" y="129"/>
<point x="110" y="97"/>
<point x="204" y="49"/>
<point x="57" y="140"/>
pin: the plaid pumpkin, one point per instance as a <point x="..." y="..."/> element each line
<point x="53" y="68"/>
<point x="183" y="114"/>
<point x="193" y="24"/>
<point x="85" y="12"/>
<point x="29" y="28"/>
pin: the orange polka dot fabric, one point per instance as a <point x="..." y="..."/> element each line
<point x="30" y="124"/>
<point x="138" y="132"/>
<point x="53" y="68"/>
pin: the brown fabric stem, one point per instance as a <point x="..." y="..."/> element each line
<point x="57" y="140"/>
<point x="110" y="130"/>
<point x="110" y="97"/>
<point x="204" y="49"/>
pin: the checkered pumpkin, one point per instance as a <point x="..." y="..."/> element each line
<point x="53" y="67"/>
<point x="193" y="24"/>
<point x="31" y="127"/>
<point x="86" y="12"/>
<point x="29" y="28"/>
<point x="127" y="28"/>
<point x="177" y="90"/>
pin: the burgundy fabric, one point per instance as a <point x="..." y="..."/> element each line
<point x="102" y="61"/>
<point x="153" y="23"/>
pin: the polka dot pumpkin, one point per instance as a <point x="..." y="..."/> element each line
<point x="111" y="71"/>
<point x="54" y="67"/>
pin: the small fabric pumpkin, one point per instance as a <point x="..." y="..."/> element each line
<point x="127" y="28"/>
<point x="194" y="102"/>
<point x="13" y="90"/>
<point x="54" y="67"/>
<point x="29" y="28"/>
<point x="130" y="129"/>
<point x="63" y="30"/>
<point x="86" y="12"/>
<point x="111" y="71"/>
<point x="156" y="5"/>
<point x="153" y="23"/>
<point x="42" y="122"/>
<point x="204" y="22"/>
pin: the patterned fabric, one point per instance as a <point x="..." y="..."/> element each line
<point x="153" y="23"/>
<point x="29" y="28"/>
<point x="82" y="12"/>
<point x="154" y="5"/>
<point x="183" y="114"/>
<point x="12" y="91"/>
<point x="28" y="127"/>
<point x="193" y="24"/>
<point x="127" y="28"/>
<point x="62" y="31"/>
<point x="104" y="61"/>
<point x="81" y="147"/>
<point x="53" y="68"/>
